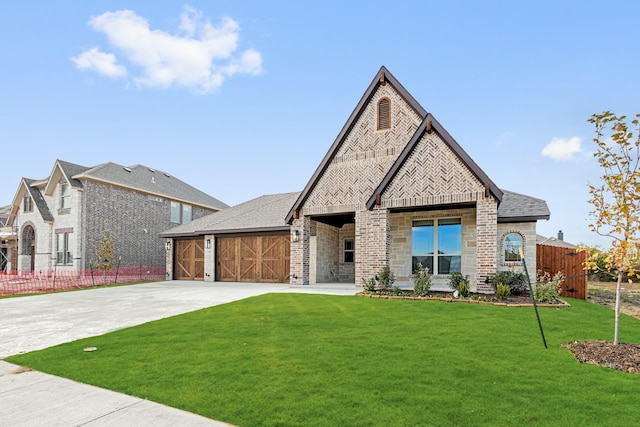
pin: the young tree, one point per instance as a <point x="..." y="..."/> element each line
<point x="105" y="253"/>
<point x="616" y="201"/>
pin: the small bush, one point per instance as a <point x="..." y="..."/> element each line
<point x="517" y="282"/>
<point x="396" y="291"/>
<point x="370" y="284"/>
<point x="460" y="283"/>
<point x="502" y="291"/>
<point x="548" y="288"/>
<point x="421" y="281"/>
<point x="382" y="283"/>
<point x="386" y="278"/>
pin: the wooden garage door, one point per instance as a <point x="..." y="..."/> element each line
<point x="253" y="259"/>
<point x="189" y="259"/>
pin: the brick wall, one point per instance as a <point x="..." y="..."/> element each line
<point x="134" y="217"/>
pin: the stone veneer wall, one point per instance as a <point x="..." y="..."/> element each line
<point x="400" y="258"/>
<point x="528" y="232"/>
<point x="327" y="253"/>
<point x="346" y="270"/>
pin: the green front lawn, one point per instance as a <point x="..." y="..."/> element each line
<point x="294" y="359"/>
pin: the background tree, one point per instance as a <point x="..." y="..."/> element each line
<point x="616" y="201"/>
<point x="105" y="253"/>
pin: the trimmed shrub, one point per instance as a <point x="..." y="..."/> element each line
<point x="517" y="282"/>
<point x="386" y="279"/>
<point x="421" y="281"/>
<point x="502" y="291"/>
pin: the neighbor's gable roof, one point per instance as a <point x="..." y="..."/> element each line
<point x="150" y="181"/>
<point x="516" y="207"/>
<point x="553" y="241"/>
<point x="30" y="186"/>
<point x="382" y="77"/>
<point x="265" y="213"/>
<point x="430" y="124"/>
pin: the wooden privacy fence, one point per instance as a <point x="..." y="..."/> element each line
<point x="551" y="259"/>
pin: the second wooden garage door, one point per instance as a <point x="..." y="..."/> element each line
<point x="253" y="259"/>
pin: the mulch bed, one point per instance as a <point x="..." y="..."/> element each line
<point x="474" y="298"/>
<point x="621" y="357"/>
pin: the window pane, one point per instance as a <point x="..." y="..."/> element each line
<point x="348" y="244"/>
<point x="512" y="246"/>
<point x="425" y="261"/>
<point x="422" y="238"/>
<point x="175" y="212"/>
<point x="186" y="213"/>
<point x="449" y="236"/>
<point x="348" y="257"/>
<point x="448" y="264"/>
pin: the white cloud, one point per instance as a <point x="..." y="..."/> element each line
<point x="200" y="55"/>
<point x="561" y="149"/>
<point x="103" y="63"/>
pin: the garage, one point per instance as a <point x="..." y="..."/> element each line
<point x="253" y="258"/>
<point x="189" y="259"/>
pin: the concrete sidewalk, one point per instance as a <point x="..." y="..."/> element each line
<point x="29" y="398"/>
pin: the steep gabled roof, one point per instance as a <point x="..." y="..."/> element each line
<point x="148" y="180"/>
<point x="265" y="213"/>
<point x="382" y="77"/>
<point x="30" y="186"/>
<point x="516" y="207"/>
<point x="66" y="170"/>
<point x="430" y="124"/>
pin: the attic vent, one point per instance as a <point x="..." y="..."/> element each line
<point x="127" y="169"/>
<point x="152" y="170"/>
<point x="167" y="175"/>
<point x="384" y="114"/>
<point x="153" y="179"/>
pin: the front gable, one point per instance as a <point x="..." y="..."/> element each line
<point x="433" y="170"/>
<point x="362" y="153"/>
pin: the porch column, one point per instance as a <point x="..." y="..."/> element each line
<point x="372" y="243"/>
<point x="486" y="241"/>
<point x="299" y="269"/>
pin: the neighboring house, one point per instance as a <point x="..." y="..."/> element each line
<point x="7" y="240"/>
<point x="395" y="189"/>
<point x="60" y="219"/>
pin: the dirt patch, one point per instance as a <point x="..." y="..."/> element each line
<point x="604" y="293"/>
<point x="21" y="370"/>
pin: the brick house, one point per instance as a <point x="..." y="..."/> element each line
<point x="395" y="189"/>
<point x="59" y="220"/>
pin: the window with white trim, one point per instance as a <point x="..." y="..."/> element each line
<point x="65" y="196"/>
<point x="349" y="250"/>
<point x="436" y="244"/>
<point x="63" y="254"/>
<point x="511" y="245"/>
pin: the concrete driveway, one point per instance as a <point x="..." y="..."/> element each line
<point x="40" y="321"/>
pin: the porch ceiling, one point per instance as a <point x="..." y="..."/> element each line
<point x="337" y="220"/>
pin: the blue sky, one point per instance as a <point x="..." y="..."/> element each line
<point x="242" y="99"/>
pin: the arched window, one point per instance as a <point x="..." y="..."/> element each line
<point x="513" y="243"/>
<point x="384" y="114"/>
<point x="28" y="240"/>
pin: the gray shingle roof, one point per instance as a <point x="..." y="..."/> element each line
<point x="517" y="207"/>
<point x="38" y="199"/>
<point x="4" y="215"/>
<point x="70" y="170"/>
<point x="265" y="213"/>
<point x="552" y="241"/>
<point x="149" y="180"/>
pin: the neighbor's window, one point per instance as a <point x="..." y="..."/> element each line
<point x="63" y="254"/>
<point x="384" y="114"/>
<point x="27" y="204"/>
<point x="65" y="196"/>
<point x="512" y="245"/>
<point x="436" y="244"/>
<point x="180" y="213"/>
<point x="349" y="250"/>
<point x="186" y="214"/>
